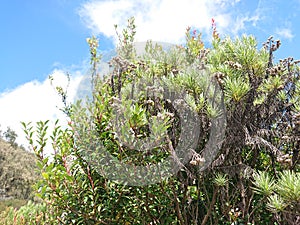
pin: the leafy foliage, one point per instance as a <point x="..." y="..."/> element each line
<point x="17" y="172"/>
<point x="31" y="213"/>
<point x="81" y="185"/>
<point x="283" y="196"/>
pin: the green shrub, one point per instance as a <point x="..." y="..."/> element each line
<point x="233" y="92"/>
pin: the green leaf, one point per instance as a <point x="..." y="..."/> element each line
<point x="263" y="183"/>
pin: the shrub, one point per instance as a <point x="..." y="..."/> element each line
<point x="173" y="136"/>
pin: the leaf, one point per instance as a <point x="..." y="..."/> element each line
<point x="264" y="184"/>
<point x="45" y="175"/>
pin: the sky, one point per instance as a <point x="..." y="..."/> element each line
<point x="48" y="37"/>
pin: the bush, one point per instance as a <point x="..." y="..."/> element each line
<point x="173" y="136"/>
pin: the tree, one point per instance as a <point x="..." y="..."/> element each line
<point x="11" y="136"/>
<point x="185" y="127"/>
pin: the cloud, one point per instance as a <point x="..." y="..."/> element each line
<point x="285" y="33"/>
<point x="159" y="20"/>
<point x="240" y="23"/>
<point x="35" y="101"/>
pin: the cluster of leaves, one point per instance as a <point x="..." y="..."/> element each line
<point x="80" y="183"/>
<point x="31" y="213"/>
<point x="282" y="196"/>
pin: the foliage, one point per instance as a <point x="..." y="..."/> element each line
<point x="10" y="136"/>
<point x="18" y="172"/>
<point x="31" y="213"/>
<point x="283" y="197"/>
<point x="82" y="184"/>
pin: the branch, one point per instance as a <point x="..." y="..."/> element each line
<point x="259" y="141"/>
<point x="177" y="207"/>
<point x="212" y="203"/>
<point x="176" y="159"/>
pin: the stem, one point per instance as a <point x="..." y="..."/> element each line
<point x="212" y="203"/>
<point x="177" y="207"/>
<point x="90" y="178"/>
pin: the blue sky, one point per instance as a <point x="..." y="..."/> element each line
<point x="38" y="36"/>
<point x="43" y="37"/>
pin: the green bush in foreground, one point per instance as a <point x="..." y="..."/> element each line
<point x="213" y="186"/>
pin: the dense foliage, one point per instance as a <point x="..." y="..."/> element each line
<point x="225" y="118"/>
<point x="31" y="213"/>
<point x="18" y="172"/>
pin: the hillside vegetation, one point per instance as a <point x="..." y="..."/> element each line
<point x="18" y="172"/>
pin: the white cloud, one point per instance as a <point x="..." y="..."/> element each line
<point x="285" y="33"/>
<point x="159" y="20"/>
<point x="240" y="23"/>
<point x="225" y="3"/>
<point x="35" y="101"/>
